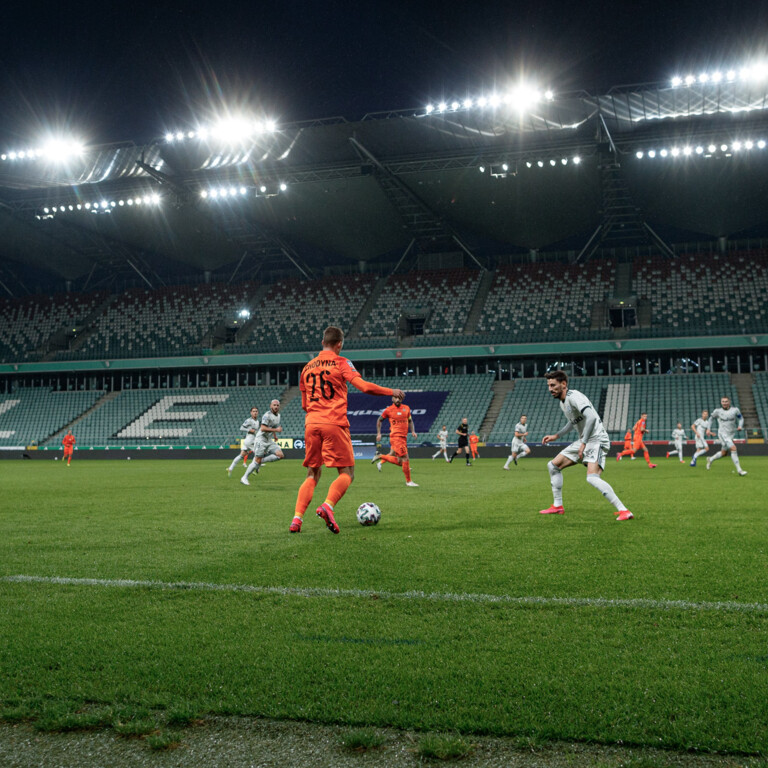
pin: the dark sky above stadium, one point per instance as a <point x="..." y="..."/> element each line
<point x="113" y="71"/>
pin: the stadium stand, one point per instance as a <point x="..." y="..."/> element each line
<point x="27" y="324"/>
<point x="196" y="416"/>
<point x="620" y="401"/>
<point x="704" y="295"/>
<point x="544" y="302"/>
<point x="31" y="415"/>
<point x="760" y="392"/>
<point x="161" y="323"/>
<point x="293" y="313"/>
<point x="443" y="298"/>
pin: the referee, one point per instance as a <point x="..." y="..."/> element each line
<point x="463" y="432"/>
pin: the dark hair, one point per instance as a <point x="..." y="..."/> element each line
<point x="558" y="375"/>
<point x="332" y="336"/>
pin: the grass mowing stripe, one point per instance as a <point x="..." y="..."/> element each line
<point x="449" y="597"/>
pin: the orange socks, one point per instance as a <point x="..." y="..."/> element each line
<point x="305" y="496"/>
<point x="338" y="489"/>
<point x="407" y="471"/>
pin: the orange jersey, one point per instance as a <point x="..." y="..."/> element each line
<point x="628" y="440"/>
<point x="68" y="442"/>
<point x="323" y="386"/>
<point x="639" y="428"/>
<point x="398" y="416"/>
<point x="474" y="439"/>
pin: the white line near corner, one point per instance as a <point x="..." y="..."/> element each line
<point x="435" y="597"/>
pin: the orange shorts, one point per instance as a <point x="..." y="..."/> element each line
<point x="638" y="445"/>
<point x="328" y="444"/>
<point x="399" y="445"/>
<point x="68" y="451"/>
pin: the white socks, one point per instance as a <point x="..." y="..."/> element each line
<point x="735" y="460"/>
<point x="597" y="482"/>
<point x="235" y="462"/>
<point x="556" y="479"/>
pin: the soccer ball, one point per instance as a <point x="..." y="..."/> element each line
<point x="368" y="513"/>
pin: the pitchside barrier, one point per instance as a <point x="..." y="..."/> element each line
<point x="365" y="448"/>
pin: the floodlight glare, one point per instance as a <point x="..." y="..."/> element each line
<point x="504" y="167"/>
<point x="687" y="151"/>
<point x="703" y="77"/>
<point x="690" y="80"/>
<point x="482" y="101"/>
<point x="442" y="106"/>
<point x="663" y="153"/>
<point x="430" y="109"/>
<point x="540" y="163"/>
<point x="87" y="206"/>
<point x="455" y="105"/>
<point x="677" y="82"/>
<point x="717" y="77"/>
<point x="652" y="153"/>
<point x="639" y="154"/>
<point x="553" y="163"/>
<point x="548" y="95"/>
<point x="180" y="136"/>
<point x="730" y="74"/>
<point x="761" y="144"/>
<point x="711" y="148"/>
<point x="494" y="100"/>
<point x="564" y="160"/>
<point x="577" y="160"/>
<point x="528" y="164"/>
<point x="468" y="104"/>
<point x="203" y="193"/>
<point x="482" y="169"/>
<point x="749" y="144"/>
<point x="736" y="146"/>
<point x="262" y="189"/>
<point x="723" y="147"/>
<point x="169" y="137"/>
<point x="46" y="210"/>
<point x="283" y="187"/>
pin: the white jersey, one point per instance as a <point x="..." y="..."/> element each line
<point x="517" y="442"/>
<point x="577" y="408"/>
<point x="701" y="426"/>
<point x="727" y="422"/>
<point x="248" y="425"/>
<point x="442" y="436"/>
<point x="271" y="420"/>
<point x="678" y="435"/>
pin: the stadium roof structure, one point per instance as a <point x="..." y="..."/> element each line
<point x="575" y="172"/>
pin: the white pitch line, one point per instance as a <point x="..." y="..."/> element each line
<point x="437" y="597"/>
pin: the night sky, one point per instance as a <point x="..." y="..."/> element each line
<point x="132" y="70"/>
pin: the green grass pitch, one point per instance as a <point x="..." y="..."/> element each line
<point x="463" y="610"/>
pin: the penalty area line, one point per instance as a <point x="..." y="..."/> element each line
<point x="435" y="597"/>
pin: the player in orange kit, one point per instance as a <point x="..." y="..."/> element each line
<point x="638" y="432"/>
<point x="323" y="385"/>
<point x="473" y="441"/>
<point x="400" y="420"/>
<point x="68" y="441"/>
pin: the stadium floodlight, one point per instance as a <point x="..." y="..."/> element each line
<point x="699" y="150"/>
<point x="468" y="104"/>
<point x="564" y="161"/>
<point x="549" y="95"/>
<point x="717" y="77"/>
<point x="651" y="153"/>
<point x="494" y="100"/>
<point x="690" y="80"/>
<point x="482" y="102"/>
<point x="677" y="82"/>
<point x="687" y="151"/>
<point x="179" y="136"/>
<point x="169" y="137"/>
<point x="528" y="164"/>
<point x="203" y="193"/>
<point x="711" y="148"/>
<point x="505" y="166"/>
<point x="540" y="163"/>
<point x="730" y="75"/>
<point x="704" y="77"/>
<point x="430" y="108"/>
<point x="283" y="186"/>
<point x="455" y="105"/>
<point x="761" y="144"/>
<point x="262" y="189"/>
<point x="482" y="169"/>
<point x="639" y="154"/>
<point x="736" y="146"/>
<point x="553" y="163"/>
<point x="577" y="160"/>
<point x="749" y="144"/>
<point x="723" y="147"/>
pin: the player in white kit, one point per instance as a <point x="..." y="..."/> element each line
<point x="591" y="448"/>
<point x="265" y="447"/>
<point x="729" y="422"/>
<point x="700" y="428"/>
<point x="678" y="436"/>
<point x="518" y="444"/>
<point x="442" y="437"/>
<point x="251" y="428"/>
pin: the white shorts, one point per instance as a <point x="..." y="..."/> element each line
<point x="248" y="442"/>
<point x="443" y="446"/>
<point x="701" y="444"/>
<point x="595" y="452"/>
<point x="726" y="443"/>
<point x="678" y="445"/>
<point x="518" y="446"/>
<point x="263" y="449"/>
